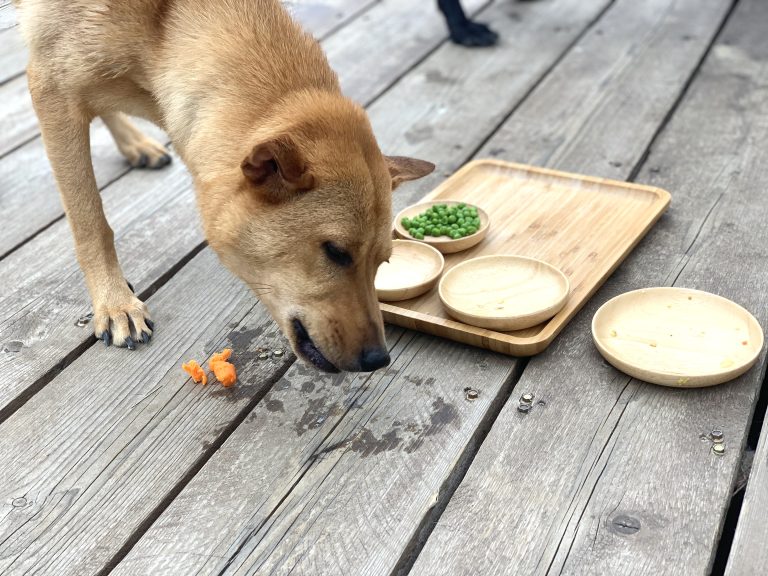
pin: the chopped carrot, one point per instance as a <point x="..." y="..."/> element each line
<point x="195" y="371"/>
<point x="225" y="373"/>
<point x="222" y="356"/>
<point x="223" y="370"/>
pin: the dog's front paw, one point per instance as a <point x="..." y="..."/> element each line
<point x="120" y="318"/>
<point x="145" y="152"/>
<point x="474" y="34"/>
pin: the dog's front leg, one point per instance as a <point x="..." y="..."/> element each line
<point x="119" y="316"/>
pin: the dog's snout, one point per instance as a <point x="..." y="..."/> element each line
<point x="373" y="358"/>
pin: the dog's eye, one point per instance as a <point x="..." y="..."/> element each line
<point x="337" y="255"/>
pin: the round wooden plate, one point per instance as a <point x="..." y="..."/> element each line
<point x="412" y="270"/>
<point x="504" y="292"/>
<point x="445" y="244"/>
<point x="677" y="336"/>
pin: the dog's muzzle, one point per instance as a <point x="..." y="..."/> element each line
<point x="308" y="350"/>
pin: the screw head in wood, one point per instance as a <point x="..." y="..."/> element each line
<point x="278" y="352"/>
<point x="264" y="356"/>
<point x="527" y="398"/>
<point x="524" y="408"/>
<point x="718" y="449"/>
<point x="471" y="393"/>
<point x="717" y="435"/>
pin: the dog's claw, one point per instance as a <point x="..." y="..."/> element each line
<point x="106" y="337"/>
<point x="163" y="161"/>
<point x="130" y="286"/>
<point x="149" y="323"/>
<point x="145" y="337"/>
<point x="143" y="161"/>
<point x="130" y="344"/>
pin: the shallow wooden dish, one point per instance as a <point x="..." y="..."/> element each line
<point x="504" y="292"/>
<point x="445" y="244"/>
<point x="677" y="336"/>
<point x="412" y="269"/>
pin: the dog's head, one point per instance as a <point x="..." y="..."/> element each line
<point x="306" y="223"/>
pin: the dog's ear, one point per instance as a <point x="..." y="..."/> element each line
<point x="402" y="169"/>
<point x="277" y="168"/>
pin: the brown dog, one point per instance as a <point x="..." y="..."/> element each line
<point x="294" y="192"/>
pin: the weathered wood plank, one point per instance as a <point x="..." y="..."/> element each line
<point x="13" y="54"/>
<point x="28" y="190"/>
<point x="7" y="15"/>
<point x="604" y="447"/>
<point x="39" y="302"/>
<point x="122" y="431"/>
<point x="42" y="292"/>
<point x="315" y="531"/>
<point x="749" y="554"/>
<point x="394" y="27"/>
<point x="323" y="17"/>
<point x="456" y="88"/>
<point x="18" y="122"/>
<point x="344" y="447"/>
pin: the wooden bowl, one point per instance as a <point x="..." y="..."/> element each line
<point x="412" y="269"/>
<point x="445" y="244"/>
<point x="504" y="292"/>
<point x="677" y="336"/>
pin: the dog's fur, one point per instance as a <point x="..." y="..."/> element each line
<point x="294" y="193"/>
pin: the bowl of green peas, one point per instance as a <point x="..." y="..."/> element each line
<point x="449" y="226"/>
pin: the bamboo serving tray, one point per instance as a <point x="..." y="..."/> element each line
<point x="584" y="226"/>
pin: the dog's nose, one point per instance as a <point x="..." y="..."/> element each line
<point x="373" y="358"/>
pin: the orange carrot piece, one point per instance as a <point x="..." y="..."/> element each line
<point x="195" y="371"/>
<point x="223" y="370"/>
<point x="225" y="373"/>
<point x="222" y="356"/>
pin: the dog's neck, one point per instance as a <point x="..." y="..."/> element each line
<point x="220" y="79"/>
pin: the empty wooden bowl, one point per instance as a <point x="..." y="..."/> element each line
<point x="504" y="292"/>
<point x="412" y="270"/>
<point x="445" y="244"/>
<point x="677" y="336"/>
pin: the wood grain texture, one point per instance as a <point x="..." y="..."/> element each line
<point x="595" y="462"/>
<point x="387" y="31"/>
<point x="28" y="190"/>
<point x="42" y="292"/>
<point x="581" y="225"/>
<point x="328" y="475"/>
<point x="7" y="15"/>
<point x="448" y="105"/>
<point x="364" y="473"/>
<point x="18" y="123"/>
<point x="121" y="429"/>
<point x="323" y="17"/>
<point x="749" y="554"/>
<point x="13" y="54"/>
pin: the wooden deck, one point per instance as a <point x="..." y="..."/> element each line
<point x="113" y="463"/>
